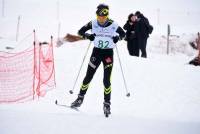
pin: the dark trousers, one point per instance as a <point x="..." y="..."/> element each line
<point x="133" y="47"/>
<point x="142" y="42"/>
<point x="106" y="57"/>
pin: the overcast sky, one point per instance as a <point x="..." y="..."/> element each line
<point x="171" y="11"/>
<point x="163" y="4"/>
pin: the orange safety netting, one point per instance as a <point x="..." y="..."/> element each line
<point x="27" y="74"/>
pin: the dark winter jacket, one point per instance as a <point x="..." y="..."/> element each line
<point x="130" y="30"/>
<point x="142" y="28"/>
<point x="145" y="27"/>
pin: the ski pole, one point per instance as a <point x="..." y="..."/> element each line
<point x="72" y="91"/>
<point x="127" y="92"/>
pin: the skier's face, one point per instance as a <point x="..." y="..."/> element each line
<point x="102" y="19"/>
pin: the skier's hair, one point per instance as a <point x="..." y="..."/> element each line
<point x="129" y="16"/>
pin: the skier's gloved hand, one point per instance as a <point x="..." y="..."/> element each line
<point x="115" y="39"/>
<point x="60" y="42"/>
<point x="91" y="37"/>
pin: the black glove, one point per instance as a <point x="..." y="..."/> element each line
<point x="91" y="37"/>
<point x="115" y="39"/>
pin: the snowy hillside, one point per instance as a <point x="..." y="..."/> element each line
<point x="164" y="88"/>
<point x="164" y="98"/>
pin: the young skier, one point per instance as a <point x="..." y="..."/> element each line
<point x="105" y="33"/>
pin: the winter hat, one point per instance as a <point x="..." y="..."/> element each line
<point x="102" y="10"/>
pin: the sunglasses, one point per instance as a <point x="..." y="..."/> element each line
<point x="102" y="17"/>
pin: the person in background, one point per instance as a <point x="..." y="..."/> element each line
<point x="105" y="33"/>
<point x="131" y="38"/>
<point x="196" y="45"/>
<point x="144" y="29"/>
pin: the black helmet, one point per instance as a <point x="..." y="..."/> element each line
<point x="102" y="10"/>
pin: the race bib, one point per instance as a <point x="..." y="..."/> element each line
<point x="103" y="38"/>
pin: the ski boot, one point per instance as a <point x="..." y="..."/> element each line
<point x="77" y="102"/>
<point x="106" y="109"/>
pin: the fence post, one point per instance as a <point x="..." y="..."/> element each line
<point x="158" y="16"/>
<point x="39" y="66"/>
<point x="17" y="32"/>
<point x="53" y="60"/>
<point x="3" y="8"/>
<point x="168" y="34"/>
<point x="59" y="26"/>
<point x="34" y="63"/>
<point x="58" y="10"/>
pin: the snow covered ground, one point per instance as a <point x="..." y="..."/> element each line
<point x="165" y="93"/>
<point x="164" y="99"/>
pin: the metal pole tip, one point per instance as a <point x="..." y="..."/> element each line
<point x="71" y="92"/>
<point x="128" y="94"/>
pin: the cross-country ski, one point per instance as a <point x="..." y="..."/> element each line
<point x="66" y="106"/>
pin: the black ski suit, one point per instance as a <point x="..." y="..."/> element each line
<point x="99" y="55"/>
